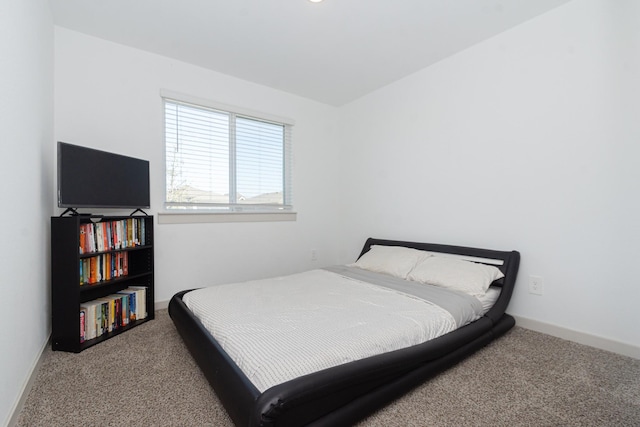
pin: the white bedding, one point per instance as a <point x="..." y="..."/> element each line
<point x="281" y="328"/>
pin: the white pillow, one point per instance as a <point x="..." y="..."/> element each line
<point x="470" y="277"/>
<point x="396" y="261"/>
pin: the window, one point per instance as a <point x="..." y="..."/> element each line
<point x="225" y="160"/>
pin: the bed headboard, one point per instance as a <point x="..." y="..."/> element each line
<point x="507" y="261"/>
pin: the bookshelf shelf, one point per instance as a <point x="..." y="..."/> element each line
<point x="70" y="261"/>
<point x="97" y="253"/>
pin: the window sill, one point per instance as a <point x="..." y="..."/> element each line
<point x="209" y="217"/>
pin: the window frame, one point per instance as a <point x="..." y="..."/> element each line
<point x="234" y="212"/>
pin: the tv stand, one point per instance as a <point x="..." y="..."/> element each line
<point x="96" y="263"/>
<point x="73" y="211"/>
<point x="139" y="210"/>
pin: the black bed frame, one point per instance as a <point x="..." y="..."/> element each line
<point x="345" y="394"/>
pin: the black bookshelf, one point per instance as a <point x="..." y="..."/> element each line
<point x="67" y="294"/>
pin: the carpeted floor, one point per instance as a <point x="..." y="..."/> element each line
<point x="146" y="377"/>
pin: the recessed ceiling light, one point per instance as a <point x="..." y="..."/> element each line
<point x="315" y="1"/>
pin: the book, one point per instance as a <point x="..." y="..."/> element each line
<point x="125" y="309"/>
<point x="121" y="263"/>
<point x="125" y="263"/>
<point x="105" y="238"/>
<point x="82" y="325"/>
<point x="141" y="301"/>
<point x="116" y="235"/>
<point x="84" y="276"/>
<point x="91" y="242"/>
<point x="92" y="270"/>
<point x="106" y="314"/>
<point x="102" y="317"/>
<point x="99" y="244"/>
<point x="109" y="237"/>
<point x="82" y="242"/>
<point x="99" y="260"/>
<point x="90" y="331"/>
<point x="131" y="297"/>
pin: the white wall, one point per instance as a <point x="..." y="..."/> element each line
<point x="108" y="97"/>
<point x="527" y="141"/>
<point x="26" y="131"/>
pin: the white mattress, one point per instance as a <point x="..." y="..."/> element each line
<point x="282" y="328"/>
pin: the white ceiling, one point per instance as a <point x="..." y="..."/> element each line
<point x="333" y="52"/>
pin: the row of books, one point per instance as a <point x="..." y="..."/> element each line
<point x="112" y="312"/>
<point x="103" y="267"/>
<point x="112" y="235"/>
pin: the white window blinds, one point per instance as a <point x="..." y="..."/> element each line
<point x="222" y="159"/>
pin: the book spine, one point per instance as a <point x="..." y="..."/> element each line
<point x="82" y="239"/>
<point x="116" y="227"/>
<point x="85" y="270"/>
<point x="109" y="240"/>
<point x="83" y="314"/>
<point x="105" y="241"/>
<point x="98" y="229"/>
<point x="90" y="239"/>
<point x="125" y="309"/>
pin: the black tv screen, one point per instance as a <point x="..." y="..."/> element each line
<point x="89" y="178"/>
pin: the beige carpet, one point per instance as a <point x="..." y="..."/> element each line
<point x="146" y="377"/>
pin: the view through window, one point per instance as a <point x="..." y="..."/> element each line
<point x="220" y="159"/>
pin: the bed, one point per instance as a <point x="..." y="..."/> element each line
<point x="268" y="369"/>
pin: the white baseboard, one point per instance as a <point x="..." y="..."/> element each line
<point x="580" y="337"/>
<point x="26" y="387"/>
<point x="161" y="305"/>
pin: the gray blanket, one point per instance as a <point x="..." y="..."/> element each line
<point x="460" y="305"/>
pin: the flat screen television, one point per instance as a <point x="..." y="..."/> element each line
<point x="89" y="178"/>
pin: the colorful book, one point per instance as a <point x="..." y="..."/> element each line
<point x="82" y="325"/>
<point x="131" y="297"/>
<point x="141" y="301"/>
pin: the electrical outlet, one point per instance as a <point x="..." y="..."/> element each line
<point x="536" y="285"/>
<point x="314" y="254"/>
